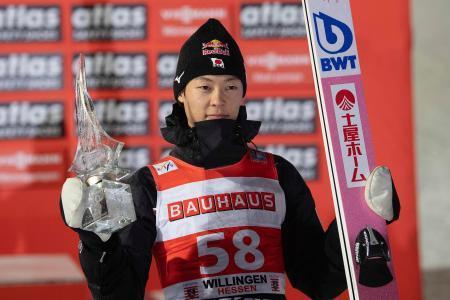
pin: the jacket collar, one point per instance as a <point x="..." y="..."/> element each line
<point x="209" y="143"/>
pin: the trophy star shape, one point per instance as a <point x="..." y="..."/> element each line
<point x="107" y="203"/>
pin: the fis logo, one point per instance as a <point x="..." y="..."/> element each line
<point x="166" y="68"/>
<point x="20" y="120"/>
<point x="124" y="117"/>
<point x="26" y="23"/>
<point x="30" y="71"/>
<point x="109" y="70"/>
<point x="109" y="22"/>
<point x="334" y="37"/>
<point x="272" y="20"/>
<point x="165" y="167"/>
<point x="134" y="158"/>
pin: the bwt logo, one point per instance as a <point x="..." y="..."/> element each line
<point x="334" y="37"/>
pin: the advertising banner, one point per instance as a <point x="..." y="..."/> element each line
<point x="131" y="52"/>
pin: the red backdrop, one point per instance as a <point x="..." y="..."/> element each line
<point x="131" y="53"/>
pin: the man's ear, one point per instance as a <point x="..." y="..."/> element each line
<point x="181" y="97"/>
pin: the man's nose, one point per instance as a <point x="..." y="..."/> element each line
<point x="217" y="98"/>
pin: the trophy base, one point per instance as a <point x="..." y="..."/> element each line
<point x="108" y="224"/>
<point x="109" y="207"/>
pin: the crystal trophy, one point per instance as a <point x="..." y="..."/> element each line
<point x="107" y="201"/>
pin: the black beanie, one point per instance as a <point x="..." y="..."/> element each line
<point x="211" y="50"/>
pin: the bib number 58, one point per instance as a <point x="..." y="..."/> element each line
<point x="240" y="257"/>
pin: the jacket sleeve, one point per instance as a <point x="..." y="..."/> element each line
<point x="118" y="268"/>
<point x="312" y="257"/>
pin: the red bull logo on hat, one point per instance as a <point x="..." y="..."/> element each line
<point x="217" y="48"/>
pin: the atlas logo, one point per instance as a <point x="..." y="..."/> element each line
<point x="221" y="202"/>
<point x="166" y="68"/>
<point x="27" y="71"/>
<point x="31" y="120"/>
<point x="280" y="115"/>
<point x="109" y="22"/>
<point x="29" y="23"/>
<point x="303" y="157"/>
<point x="114" y="70"/>
<point x="334" y="37"/>
<point x="272" y="20"/>
<point x="125" y="117"/>
<point x="134" y="158"/>
<point x="165" y="167"/>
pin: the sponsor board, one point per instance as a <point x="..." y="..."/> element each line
<point x="179" y="20"/>
<point x="166" y="68"/>
<point x="268" y="20"/>
<point x="113" y="70"/>
<point x="277" y="66"/>
<point x="281" y="115"/>
<point x="31" y="120"/>
<point x="109" y="22"/>
<point x="30" y="23"/>
<point x="26" y="166"/>
<point x="134" y="157"/>
<point x="305" y="158"/>
<point x="30" y="71"/>
<point x="123" y="117"/>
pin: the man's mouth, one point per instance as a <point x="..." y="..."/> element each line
<point x="216" y="116"/>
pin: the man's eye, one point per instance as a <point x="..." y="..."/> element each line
<point x="232" y="87"/>
<point x="203" y="87"/>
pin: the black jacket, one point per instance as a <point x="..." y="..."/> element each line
<point x="118" y="269"/>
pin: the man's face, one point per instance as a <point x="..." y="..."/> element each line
<point x="210" y="97"/>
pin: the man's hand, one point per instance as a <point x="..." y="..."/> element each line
<point x="380" y="194"/>
<point x="71" y="201"/>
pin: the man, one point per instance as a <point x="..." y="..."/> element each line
<point x="223" y="221"/>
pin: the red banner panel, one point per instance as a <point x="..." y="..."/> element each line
<point x="131" y="50"/>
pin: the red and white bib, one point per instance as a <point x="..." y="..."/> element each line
<point x="219" y="230"/>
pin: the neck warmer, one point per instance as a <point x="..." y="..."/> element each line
<point x="210" y="143"/>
